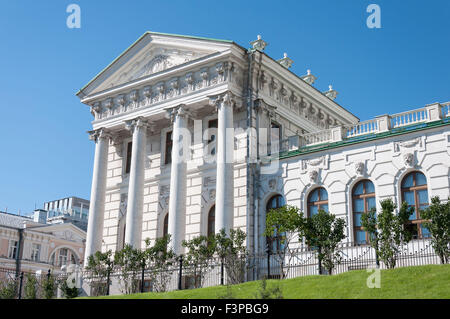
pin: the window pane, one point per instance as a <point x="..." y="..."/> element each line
<point x="324" y="207"/>
<point x="323" y="194"/>
<point x="413" y="215"/>
<point x="371" y="203"/>
<point x="423" y="196"/>
<point x="359" y="205"/>
<point x="357" y="219"/>
<point x="408" y="181"/>
<point x="314" y="196"/>
<point x="313" y="210"/>
<point x="409" y="198"/>
<point x="420" y="179"/>
<point x="358" y="190"/>
<point x="360" y="237"/>
<point x="369" y="187"/>
<point x="425" y="232"/>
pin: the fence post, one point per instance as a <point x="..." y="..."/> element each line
<point x="268" y="250"/>
<point x="221" y="271"/>
<point x="180" y="275"/>
<point x="320" y="260"/>
<point x="108" y="272"/>
<point x="142" y="276"/>
<point x="20" y="285"/>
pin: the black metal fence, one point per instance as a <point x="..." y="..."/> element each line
<point x="28" y="285"/>
<point x="302" y="261"/>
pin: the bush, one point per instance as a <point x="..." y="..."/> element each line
<point x="8" y="289"/>
<point x="264" y="292"/>
<point x="31" y="287"/>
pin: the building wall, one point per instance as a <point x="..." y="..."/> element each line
<point x="383" y="162"/>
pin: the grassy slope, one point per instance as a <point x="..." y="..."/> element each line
<point x="432" y="281"/>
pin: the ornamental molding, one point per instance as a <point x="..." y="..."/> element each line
<point x="123" y="206"/>
<point x="100" y="133"/>
<point x="359" y="168"/>
<point x="315" y="109"/>
<point x="172" y="88"/>
<point x="417" y="144"/>
<point x="409" y="159"/>
<point x="316" y="163"/>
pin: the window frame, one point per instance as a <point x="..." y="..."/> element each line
<point x="317" y="203"/>
<point x="417" y="222"/>
<point x="211" y="222"/>
<point x="364" y="196"/>
<point x="13" y="249"/>
<point x="270" y="240"/>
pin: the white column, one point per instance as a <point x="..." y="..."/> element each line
<point x="224" y="159"/>
<point x="133" y="231"/>
<point x="177" y="200"/>
<point x="98" y="189"/>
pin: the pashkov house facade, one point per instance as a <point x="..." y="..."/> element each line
<point x="193" y="135"/>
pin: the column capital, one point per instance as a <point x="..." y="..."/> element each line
<point x="138" y="122"/>
<point x="223" y="99"/>
<point x="178" y="111"/>
<point x="94" y="135"/>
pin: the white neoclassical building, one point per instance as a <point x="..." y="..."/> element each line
<point x="193" y="135"/>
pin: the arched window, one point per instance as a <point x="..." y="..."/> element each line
<point x="166" y="225"/>
<point x="211" y="221"/>
<point x="415" y="193"/>
<point x="363" y="198"/>
<point x="274" y="242"/>
<point x="317" y="200"/>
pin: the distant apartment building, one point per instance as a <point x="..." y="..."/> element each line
<point x="27" y="245"/>
<point x="72" y="210"/>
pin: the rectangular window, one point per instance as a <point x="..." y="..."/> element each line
<point x="35" y="252"/>
<point x="12" y="249"/>
<point x="63" y="253"/>
<point x="212" y="124"/>
<point x="168" y="154"/>
<point x="275" y="138"/>
<point x="128" y="163"/>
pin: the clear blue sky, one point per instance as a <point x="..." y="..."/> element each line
<point x="45" y="152"/>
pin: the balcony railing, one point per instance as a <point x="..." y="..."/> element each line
<point x="380" y="124"/>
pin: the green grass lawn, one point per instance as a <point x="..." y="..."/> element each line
<point x="431" y="281"/>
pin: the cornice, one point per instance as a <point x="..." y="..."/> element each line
<point x="309" y="91"/>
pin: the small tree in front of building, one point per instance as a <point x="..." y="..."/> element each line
<point x="129" y="263"/>
<point x="161" y="258"/>
<point x="232" y="252"/>
<point x="438" y="224"/>
<point x="98" y="269"/>
<point x="200" y="250"/>
<point x="323" y="232"/>
<point x="281" y="226"/>
<point x="388" y="231"/>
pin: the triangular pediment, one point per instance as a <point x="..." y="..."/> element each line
<point x="151" y="54"/>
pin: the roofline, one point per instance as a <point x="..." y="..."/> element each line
<point x="370" y="137"/>
<point x="340" y="106"/>
<point x="154" y="33"/>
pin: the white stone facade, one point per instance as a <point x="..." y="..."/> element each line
<point x="167" y="83"/>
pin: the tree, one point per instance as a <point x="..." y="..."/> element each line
<point x="369" y="222"/>
<point x="199" y="250"/>
<point x="438" y="216"/>
<point x="98" y="269"/>
<point x="232" y="253"/>
<point x="323" y="232"/>
<point x="31" y="286"/>
<point x="283" y="222"/>
<point x="388" y="231"/>
<point x="161" y="260"/>
<point x="129" y="262"/>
